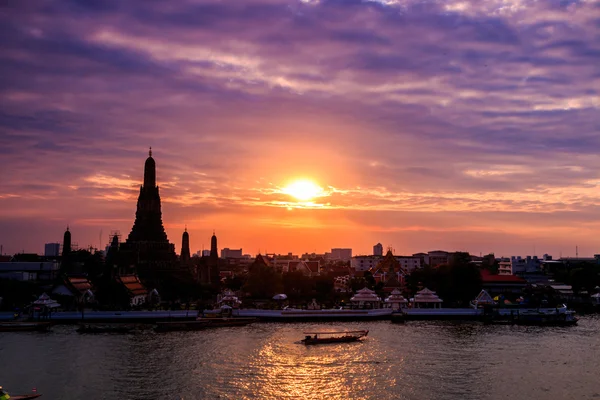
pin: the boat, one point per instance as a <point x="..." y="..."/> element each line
<point x="333" y="337"/>
<point x="22" y="326"/>
<point x="103" y="329"/>
<point x="332" y="314"/>
<point x="558" y="316"/>
<point x="6" y="396"/>
<point x="202" y="323"/>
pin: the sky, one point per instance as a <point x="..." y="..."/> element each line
<point x="454" y="125"/>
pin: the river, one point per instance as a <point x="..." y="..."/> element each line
<point x="416" y="360"/>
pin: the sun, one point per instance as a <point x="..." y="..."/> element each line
<point x="303" y="190"/>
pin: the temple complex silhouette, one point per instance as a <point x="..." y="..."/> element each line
<point x="148" y="255"/>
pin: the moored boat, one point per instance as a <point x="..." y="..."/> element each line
<point x="334" y="314"/>
<point x="23" y="326"/>
<point x="333" y="337"/>
<point x="103" y="329"/>
<point x="202" y="323"/>
<point x="558" y="316"/>
<point x="5" y="396"/>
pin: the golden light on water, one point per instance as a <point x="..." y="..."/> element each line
<point x="303" y="190"/>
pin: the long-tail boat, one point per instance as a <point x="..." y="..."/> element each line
<point x="333" y="337"/>
<point x="18" y="326"/>
<point x="202" y="323"/>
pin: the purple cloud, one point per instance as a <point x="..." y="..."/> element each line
<point x="403" y="107"/>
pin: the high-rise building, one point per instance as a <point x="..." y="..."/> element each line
<point x="52" y="249"/>
<point x="341" y="254"/>
<point x="378" y="250"/>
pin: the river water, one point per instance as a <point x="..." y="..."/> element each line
<point x="416" y="360"/>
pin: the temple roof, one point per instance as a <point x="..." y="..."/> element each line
<point x="261" y="260"/>
<point x="133" y="285"/>
<point x="388" y="264"/>
<point x="82" y="285"/>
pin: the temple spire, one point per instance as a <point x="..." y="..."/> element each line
<point x="150" y="172"/>
<point x="66" y="243"/>
<point x="185" y="246"/>
<point x="214" y="252"/>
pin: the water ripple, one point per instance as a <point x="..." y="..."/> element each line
<point x="416" y="360"/>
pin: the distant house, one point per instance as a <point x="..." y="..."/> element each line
<point x="308" y="268"/>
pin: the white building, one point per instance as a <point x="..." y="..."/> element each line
<point x="378" y="250"/>
<point x="409" y="263"/>
<point x="341" y="254"/>
<point x="504" y="267"/>
<point x="364" y="263"/>
<point x="528" y="264"/>
<point x="29" y="271"/>
<point x="52" y="249"/>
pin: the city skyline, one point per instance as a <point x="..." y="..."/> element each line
<point x="423" y="126"/>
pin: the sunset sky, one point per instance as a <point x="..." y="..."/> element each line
<point x="423" y="125"/>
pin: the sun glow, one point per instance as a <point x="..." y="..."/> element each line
<point x="303" y="190"/>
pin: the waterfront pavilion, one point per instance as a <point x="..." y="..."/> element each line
<point x="427" y="299"/>
<point x="396" y="301"/>
<point x="482" y="299"/>
<point x="229" y="299"/>
<point x="365" y="298"/>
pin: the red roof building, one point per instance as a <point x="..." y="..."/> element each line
<point x="499" y="284"/>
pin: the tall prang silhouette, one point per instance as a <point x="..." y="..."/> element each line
<point x="147" y="246"/>
<point x="148" y="225"/>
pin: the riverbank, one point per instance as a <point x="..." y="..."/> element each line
<point x="288" y="315"/>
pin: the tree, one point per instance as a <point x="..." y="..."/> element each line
<point x="296" y="285"/>
<point x="324" y="287"/>
<point x="459" y="281"/>
<point x="262" y="282"/>
<point x="420" y="278"/>
<point x="490" y="263"/>
<point x="234" y="283"/>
